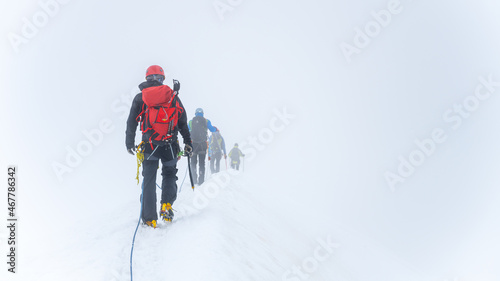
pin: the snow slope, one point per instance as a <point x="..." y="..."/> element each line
<point x="220" y="232"/>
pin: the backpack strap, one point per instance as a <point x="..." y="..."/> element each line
<point x="140" y="117"/>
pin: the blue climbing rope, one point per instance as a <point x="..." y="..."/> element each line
<point x="139" y="222"/>
<point x="180" y="189"/>
<point x="181" y="183"/>
<point x="133" y="240"/>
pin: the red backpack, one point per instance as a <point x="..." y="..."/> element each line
<point x="161" y="114"/>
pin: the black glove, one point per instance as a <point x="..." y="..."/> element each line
<point x="177" y="85"/>
<point x="131" y="151"/>
<point x="188" y="149"/>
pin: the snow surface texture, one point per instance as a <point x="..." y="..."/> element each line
<point x="321" y="130"/>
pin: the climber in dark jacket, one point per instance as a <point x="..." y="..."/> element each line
<point x="157" y="144"/>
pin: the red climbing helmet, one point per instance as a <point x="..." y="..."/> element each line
<point x="155" y="69"/>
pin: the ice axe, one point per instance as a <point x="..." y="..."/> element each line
<point x="189" y="168"/>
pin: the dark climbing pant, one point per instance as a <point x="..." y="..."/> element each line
<point x="167" y="155"/>
<point x="215" y="162"/>
<point x="199" y="155"/>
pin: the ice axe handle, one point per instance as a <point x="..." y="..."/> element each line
<point x="190" y="173"/>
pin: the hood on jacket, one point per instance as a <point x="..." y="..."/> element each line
<point x="149" y="84"/>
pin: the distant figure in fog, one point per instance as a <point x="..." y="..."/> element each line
<point x="198" y="127"/>
<point x="235" y="155"/>
<point x="216" y="146"/>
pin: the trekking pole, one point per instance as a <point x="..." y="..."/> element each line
<point x="190" y="173"/>
<point x="243" y="163"/>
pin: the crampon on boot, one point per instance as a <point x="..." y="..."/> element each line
<point x="151" y="223"/>
<point x="166" y="213"/>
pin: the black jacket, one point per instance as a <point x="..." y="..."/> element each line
<point x="137" y="108"/>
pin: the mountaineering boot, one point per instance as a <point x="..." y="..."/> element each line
<point x="166" y="212"/>
<point x="151" y="223"/>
